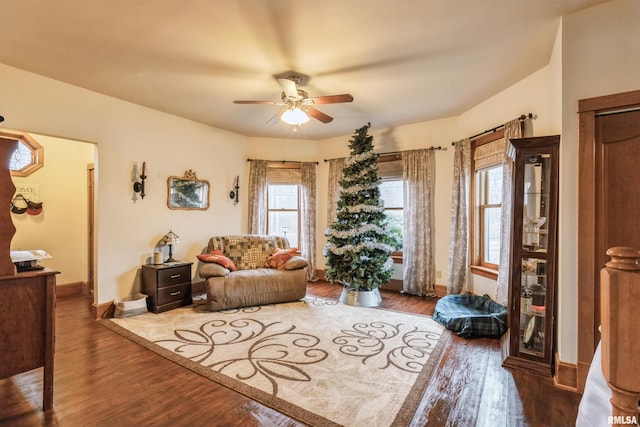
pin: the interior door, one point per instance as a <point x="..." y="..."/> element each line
<point x="618" y="187"/>
<point x="609" y="184"/>
<point x="618" y="136"/>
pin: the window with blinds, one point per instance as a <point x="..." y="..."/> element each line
<point x="283" y="201"/>
<point x="392" y="192"/>
<point x="487" y="154"/>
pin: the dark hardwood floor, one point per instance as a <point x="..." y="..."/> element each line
<point x="103" y="379"/>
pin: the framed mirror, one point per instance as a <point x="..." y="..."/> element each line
<point x="187" y="192"/>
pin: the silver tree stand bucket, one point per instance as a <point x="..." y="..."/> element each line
<point x="361" y="298"/>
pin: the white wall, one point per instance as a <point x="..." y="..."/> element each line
<point x="600" y="56"/>
<point x="126" y="134"/>
<point x="61" y="227"/>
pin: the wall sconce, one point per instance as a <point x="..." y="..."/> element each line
<point x="138" y="187"/>
<point x="236" y="190"/>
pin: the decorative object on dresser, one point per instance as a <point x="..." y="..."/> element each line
<point x="170" y="239"/>
<point x="168" y="286"/>
<point x="529" y="343"/>
<point x="187" y="192"/>
<point x="138" y="186"/>
<point x="28" y="260"/>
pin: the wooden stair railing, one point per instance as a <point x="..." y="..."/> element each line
<point x="620" y="310"/>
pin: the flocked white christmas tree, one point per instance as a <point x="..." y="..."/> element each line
<point x="359" y="242"/>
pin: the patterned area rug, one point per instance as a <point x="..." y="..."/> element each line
<point x="316" y="360"/>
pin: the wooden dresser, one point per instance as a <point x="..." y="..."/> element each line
<point x="167" y="285"/>
<point x="27" y="326"/>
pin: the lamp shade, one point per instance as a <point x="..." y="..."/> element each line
<point x="170" y="238"/>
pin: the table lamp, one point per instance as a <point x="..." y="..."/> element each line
<point x="170" y="239"/>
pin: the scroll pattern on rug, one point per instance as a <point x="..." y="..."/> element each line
<point x="368" y="342"/>
<point x="276" y="351"/>
<point x="317" y="360"/>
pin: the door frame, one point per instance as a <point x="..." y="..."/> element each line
<point x="90" y="229"/>
<point x="589" y="175"/>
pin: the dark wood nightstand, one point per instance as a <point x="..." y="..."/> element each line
<point x="167" y="285"/>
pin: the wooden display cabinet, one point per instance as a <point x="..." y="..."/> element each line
<point x="529" y="342"/>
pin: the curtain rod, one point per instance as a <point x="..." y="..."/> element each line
<point x="281" y="161"/>
<point x="522" y="118"/>
<point x="390" y="153"/>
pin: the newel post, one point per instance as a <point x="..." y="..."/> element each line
<point x="620" y="299"/>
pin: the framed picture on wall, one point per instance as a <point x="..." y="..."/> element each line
<point x="187" y="192"/>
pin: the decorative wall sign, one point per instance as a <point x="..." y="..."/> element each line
<point x="30" y="191"/>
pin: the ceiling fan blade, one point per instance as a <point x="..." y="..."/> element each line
<point x="289" y="88"/>
<point x="273" y="120"/>
<point x="258" y="102"/>
<point x="332" y="99"/>
<point x="318" y="115"/>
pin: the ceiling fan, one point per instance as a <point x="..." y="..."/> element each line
<point x="298" y="106"/>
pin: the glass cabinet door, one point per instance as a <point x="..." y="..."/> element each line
<point x="535" y="203"/>
<point x="533" y="306"/>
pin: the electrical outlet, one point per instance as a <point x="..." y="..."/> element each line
<point x="438" y="274"/>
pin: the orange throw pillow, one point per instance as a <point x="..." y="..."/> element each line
<point x="217" y="257"/>
<point x="279" y="257"/>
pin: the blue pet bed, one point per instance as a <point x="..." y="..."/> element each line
<point x="471" y="315"/>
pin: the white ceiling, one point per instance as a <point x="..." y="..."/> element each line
<point x="404" y="61"/>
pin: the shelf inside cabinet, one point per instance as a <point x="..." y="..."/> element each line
<point x="533" y="313"/>
<point x="532" y="352"/>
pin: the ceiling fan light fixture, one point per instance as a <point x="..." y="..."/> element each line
<point x="295" y="116"/>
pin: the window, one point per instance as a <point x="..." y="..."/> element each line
<point x="29" y="155"/>
<point x="487" y="154"/>
<point x="392" y="194"/>
<point x="490" y="209"/>
<point x="283" y="211"/>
